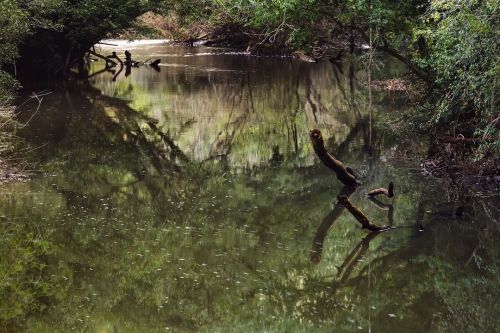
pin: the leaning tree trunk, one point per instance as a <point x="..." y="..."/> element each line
<point x="346" y="177"/>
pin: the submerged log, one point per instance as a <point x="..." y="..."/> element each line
<point x="343" y="174"/>
<point x="358" y="214"/>
<point x="389" y="192"/>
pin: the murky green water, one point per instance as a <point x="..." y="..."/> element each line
<point x="190" y="200"/>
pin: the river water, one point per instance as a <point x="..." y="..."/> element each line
<point x="188" y="198"/>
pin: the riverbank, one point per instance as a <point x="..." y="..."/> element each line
<point x="11" y="166"/>
<point x="205" y="33"/>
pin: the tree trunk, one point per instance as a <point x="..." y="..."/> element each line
<point x="331" y="162"/>
<point x="414" y="68"/>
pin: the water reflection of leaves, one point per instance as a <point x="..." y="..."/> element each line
<point x="147" y="239"/>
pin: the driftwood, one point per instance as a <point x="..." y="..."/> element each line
<point x="330" y="161"/>
<point x="129" y="62"/>
<point x="128" y="57"/>
<point x="155" y="65"/>
<point x="387" y="192"/>
<point x="107" y="44"/>
<point x="358" y="214"/>
<point x="113" y="60"/>
<point x="108" y="61"/>
<point x="115" y="56"/>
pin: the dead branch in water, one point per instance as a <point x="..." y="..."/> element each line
<point x="389" y="192"/>
<point x="331" y="162"/>
<point x="358" y="214"/>
<point x="109" y="62"/>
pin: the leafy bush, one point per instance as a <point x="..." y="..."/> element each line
<point x="464" y="58"/>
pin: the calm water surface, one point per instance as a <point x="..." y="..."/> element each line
<point x="189" y="200"/>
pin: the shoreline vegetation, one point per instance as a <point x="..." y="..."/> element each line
<point x="171" y="28"/>
<point x="11" y="165"/>
<point x="449" y="49"/>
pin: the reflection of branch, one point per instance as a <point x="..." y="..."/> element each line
<point x="358" y="214"/>
<point x="39" y="99"/>
<point x="118" y="73"/>
<point x="473" y="254"/>
<point x="293" y="118"/>
<point x="342" y="147"/>
<point x="328" y="221"/>
<point x="153" y="150"/>
<point x="176" y="151"/>
<point x="314" y="109"/>
<point x="356" y="256"/>
<point x="387" y="207"/>
<point x="380" y="204"/>
<point x="222" y="147"/>
<point x="421" y="215"/>
<point x="336" y="69"/>
<point x="105" y="69"/>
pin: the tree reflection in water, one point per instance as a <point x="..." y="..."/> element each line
<point x="134" y="224"/>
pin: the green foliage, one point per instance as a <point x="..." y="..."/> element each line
<point x="190" y="11"/>
<point x="463" y="37"/>
<point x="85" y="22"/>
<point x="8" y="86"/>
<point x="13" y="27"/>
<point x="54" y="34"/>
<point x="452" y="44"/>
<point x="23" y="278"/>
